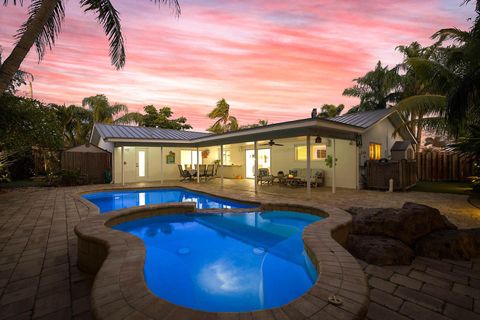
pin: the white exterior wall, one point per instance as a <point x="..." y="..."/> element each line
<point x="153" y="165"/>
<point x="381" y="133"/>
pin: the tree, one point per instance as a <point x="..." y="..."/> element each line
<point x="161" y="119"/>
<point x="225" y="122"/>
<point x="44" y="24"/>
<point x="260" y="123"/>
<point x="377" y="89"/>
<point x="104" y="112"/>
<point x="76" y="123"/>
<point x="330" y="110"/>
<point x="463" y="57"/>
<point x="19" y="78"/>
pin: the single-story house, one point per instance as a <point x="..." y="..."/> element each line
<point x="143" y="154"/>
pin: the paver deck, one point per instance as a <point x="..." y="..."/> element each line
<point x="38" y="251"/>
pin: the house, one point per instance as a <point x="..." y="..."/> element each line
<point x="151" y="154"/>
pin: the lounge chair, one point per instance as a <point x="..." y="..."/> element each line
<point x="317" y="176"/>
<point x="264" y="176"/>
<point x="184" y="174"/>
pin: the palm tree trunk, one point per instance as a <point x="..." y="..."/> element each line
<point x="15" y="59"/>
<point x="419" y="130"/>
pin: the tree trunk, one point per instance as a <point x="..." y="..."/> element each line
<point x="15" y="59"/>
<point x="419" y="131"/>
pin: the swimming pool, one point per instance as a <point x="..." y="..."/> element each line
<point x="119" y="199"/>
<point x="226" y="262"/>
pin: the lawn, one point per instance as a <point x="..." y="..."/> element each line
<point x="444" y="187"/>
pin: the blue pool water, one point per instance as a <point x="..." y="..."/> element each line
<point x="226" y="262"/>
<point x="120" y="199"/>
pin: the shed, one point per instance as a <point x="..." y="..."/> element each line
<point x="93" y="163"/>
<point x="402" y="150"/>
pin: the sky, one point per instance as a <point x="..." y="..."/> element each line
<point x="269" y="59"/>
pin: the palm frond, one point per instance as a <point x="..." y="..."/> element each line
<point x="51" y="28"/>
<point x="131" y="117"/>
<point x="423" y="104"/>
<point x="14" y="2"/>
<point x="453" y="34"/>
<point x="108" y="17"/>
<point x="173" y="4"/>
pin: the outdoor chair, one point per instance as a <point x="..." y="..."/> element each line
<point x="202" y="170"/>
<point x="264" y="176"/>
<point x="210" y="171"/>
<point x="184" y="174"/>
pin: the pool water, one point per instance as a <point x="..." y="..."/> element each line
<point x="113" y="200"/>
<point x="229" y="262"/>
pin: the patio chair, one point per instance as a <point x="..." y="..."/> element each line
<point x="318" y="179"/>
<point x="209" y="172"/>
<point x="264" y="176"/>
<point x="202" y="170"/>
<point x="184" y="174"/>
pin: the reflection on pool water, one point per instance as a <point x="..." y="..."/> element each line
<point x="226" y="262"/>
<point x="114" y="200"/>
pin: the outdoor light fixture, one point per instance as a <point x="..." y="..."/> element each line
<point x="318" y="139"/>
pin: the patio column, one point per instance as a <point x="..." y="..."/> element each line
<point x="221" y="166"/>
<point x="334" y="187"/>
<point x="123" y="165"/>
<point x="255" y="170"/>
<point x="161" y="165"/>
<point x="198" y="167"/>
<point x="113" y="165"/>
<point x="308" y="174"/>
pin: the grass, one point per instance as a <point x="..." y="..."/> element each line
<point x="444" y="187"/>
<point x="21" y="184"/>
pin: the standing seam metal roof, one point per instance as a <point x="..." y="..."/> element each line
<point x="133" y="132"/>
<point x="363" y="119"/>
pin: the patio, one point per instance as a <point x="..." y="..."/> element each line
<point x="38" y="252"/>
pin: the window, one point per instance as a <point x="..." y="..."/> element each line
<point x="189" y="157"/>
<point x="227" y="157"/>
<point x="375" y="151"/>
<point x="318" y="152"/>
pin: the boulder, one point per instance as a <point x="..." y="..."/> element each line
<point x="379" y="250"/>
<point x="450" y="244"/>
<point x="407" y="224"/>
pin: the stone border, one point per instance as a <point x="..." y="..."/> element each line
<point x="120" y="291"/>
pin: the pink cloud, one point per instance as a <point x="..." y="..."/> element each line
<point x="271" y="59"/>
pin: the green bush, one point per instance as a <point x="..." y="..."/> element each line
<point x="476" y="186"/>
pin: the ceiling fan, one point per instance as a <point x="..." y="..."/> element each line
<point x="272" y="143"/>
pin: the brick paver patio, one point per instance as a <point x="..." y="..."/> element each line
<point x="39" y="278"/>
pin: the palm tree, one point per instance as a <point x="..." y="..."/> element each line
<point x="19" y="78"/>
<point x="76" y="123"/>
<point x="44" y="24"/>
<point x="103" y="111"/>
<point x="225" y="121"/>
<point x="463" y="108"/>
<point x="425" y="84"/>
<point x="377" y="89"/>
<point x="330" y="110"/>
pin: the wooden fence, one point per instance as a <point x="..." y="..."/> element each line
<point x="443" y="166"/>
<point x="403" y="173"/>
<point x="91" y="165"/>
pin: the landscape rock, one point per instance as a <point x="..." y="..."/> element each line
<point x="450" y="244"/>
<point x="407" y="224"/>
<point x="379" y="250"/>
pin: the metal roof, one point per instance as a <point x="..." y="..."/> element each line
<point x="363" y="119"/>
<point x="108" y="131"/>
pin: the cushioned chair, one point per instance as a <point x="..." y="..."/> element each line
<point x="264" y="176"/>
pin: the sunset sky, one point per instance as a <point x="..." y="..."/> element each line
<point x="269" y="59"/>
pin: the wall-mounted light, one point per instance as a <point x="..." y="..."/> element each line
<point x="318" y="139"/>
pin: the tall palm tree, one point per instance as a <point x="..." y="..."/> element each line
<point x="19" y="78"/>
<point x="377" y="89"/>
<point x="463" y="57"/>
<point x="330" y="110"/>
<point x="44" y="24"/>
<point x="103" y="111"/>
<point x="425" y="84"/>
<point x="225" y="122"/>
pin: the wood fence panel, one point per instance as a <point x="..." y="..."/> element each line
<point x="443" y="166"/>
<point x="91" y="165"/>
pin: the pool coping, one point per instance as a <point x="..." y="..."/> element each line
<point x="120" y="291"/>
